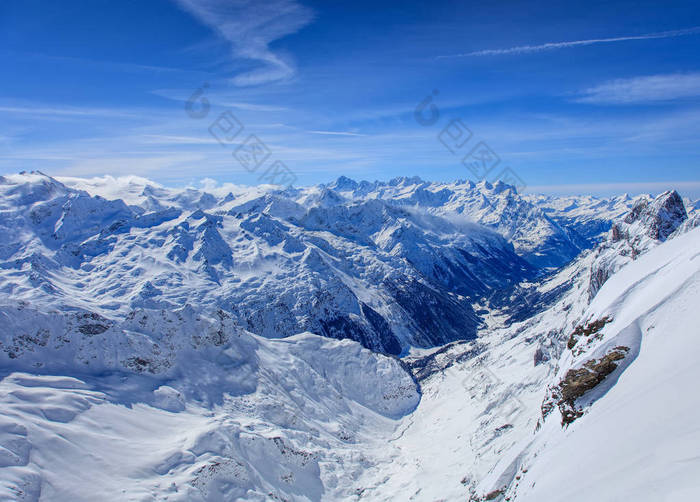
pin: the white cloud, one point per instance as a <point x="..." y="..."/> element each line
<point x="337" y="133"/>
<point x="250" y="26"/>
<point x="221" y="189"/>
<point x="66" y="111"/>
<point x="654" y="88"/>
<point x="526" y="49"/>
<point x="253" y="107"/>
<point x="128" y="188"/>
<point x="163" y="139"/>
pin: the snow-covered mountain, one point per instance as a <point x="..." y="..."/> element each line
<point x="546" y="231"/>
<point x="240" y="343"/>
<point x="405" y="265"/>
<point x="278" y="263"/>
<point x="512" y="402"/>
<point x="614" y="420"/>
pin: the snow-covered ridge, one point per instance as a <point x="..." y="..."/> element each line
<point x="392" y="265"/>
<point x="641" y="413"/>
<point x="546" y="231"/>
<point x="238" y="418"/>
<point x="278" y="263"/>
<point x="569" y="403"/>
<point x="182" y="326"/>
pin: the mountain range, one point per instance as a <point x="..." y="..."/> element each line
<point x="353" y="340"/>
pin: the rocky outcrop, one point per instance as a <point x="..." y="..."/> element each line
<point x="661" y="217"/>
<point x="579" y="381"/>
<point x="647" y="224"/>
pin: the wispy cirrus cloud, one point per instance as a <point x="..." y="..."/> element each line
<point x="65" y="111"/>
<point x="163" y="139"/>
<point x="254" y="107"/>
<point x="337" y="133"/>
<point x="250" y="26"/>
<point x="220" y="98"/>
<point x="645" y="89"/>
<point x="550" y="46"/>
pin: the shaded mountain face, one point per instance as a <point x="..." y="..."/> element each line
<point x="172" y="321"/>
<point x="547" y="232"/>
<point x="659" y="218"/>
<point x="391" y="265"/>
<point x="278" y="263"/>
<point x="647" y="224"/>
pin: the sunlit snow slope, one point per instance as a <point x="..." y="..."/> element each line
<point x="641" y="438"/>
<point x="494" y="424"/>
<point x="249" y="419"/>
<point x="163" y="344"/>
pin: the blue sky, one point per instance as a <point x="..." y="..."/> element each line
<point x="595" y="97"/>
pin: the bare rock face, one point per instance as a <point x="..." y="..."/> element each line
<point x="657" y="219"/>
<point x="579" y="381"/>
<point x="636" y="212"/>
<point x="647" y="224"/>
<point x="664" y="215"/>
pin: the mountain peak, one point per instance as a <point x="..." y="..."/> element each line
<point x="664" y="215"/>
<point x="343" y="183"/>
<point x="656" y="219"/>
<point x="499" y="186"/>
<point x="27" y="188"/>
<point x="484" y="184"/>
<point x="405" y="181"/>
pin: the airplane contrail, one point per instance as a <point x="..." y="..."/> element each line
<point x="524" y="49"/>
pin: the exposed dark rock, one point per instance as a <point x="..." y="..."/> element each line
<point x="141" y="364"/>
<point x="579" y="381"/>
<point x="588" y="329"/>
<point x="664" y="215"/>
<point x="636" y="211"/>
<point x="455" y="353"/>
<point x="540" y="356"/>
<point x="93" y="329"/>
<point x="659" y="218"/>
<point x="494" y="494"/>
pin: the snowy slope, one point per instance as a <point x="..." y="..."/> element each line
<point x="162" y="344"/>
<point x="386" y="276"/>
<point x="479" y="431"/>
<point x="249" y="419"/>
<point x="639" y="439"/>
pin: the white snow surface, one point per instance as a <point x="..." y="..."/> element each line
<point x="255" y="419"/>
<point x="479" y="431"/>
<point x="640" y="440"/>
<point x="125" y="373"/>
